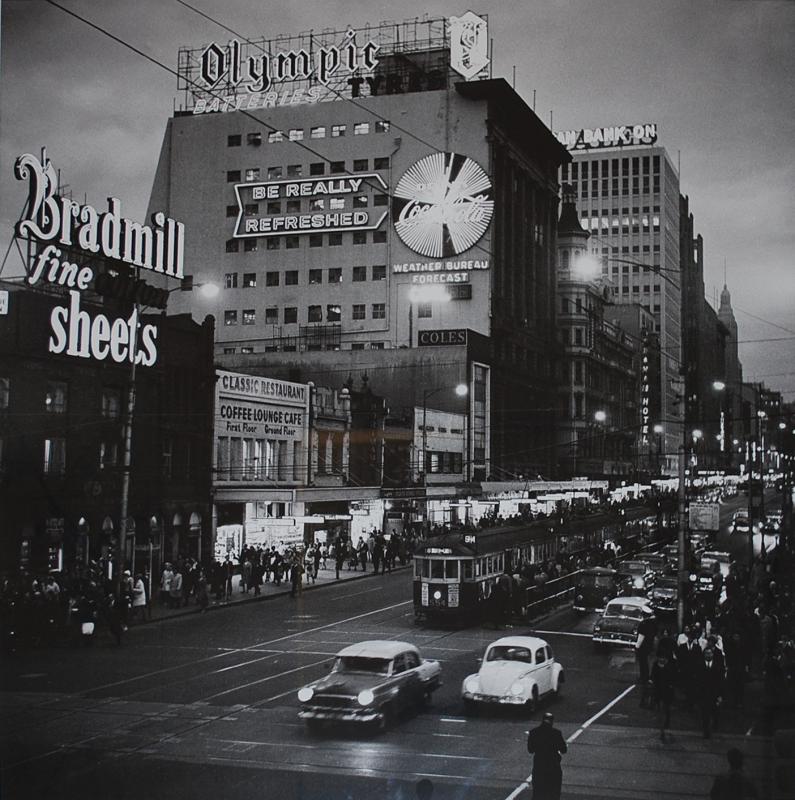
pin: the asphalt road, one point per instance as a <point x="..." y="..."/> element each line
<point x="205" y="706"/>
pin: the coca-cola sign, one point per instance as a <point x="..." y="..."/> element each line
<point x="442" y="205"/>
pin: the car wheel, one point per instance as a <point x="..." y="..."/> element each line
<point x="532" y="704"/>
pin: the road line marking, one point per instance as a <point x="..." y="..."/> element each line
<point x="262" y="680"/>
<point x="750" y="730"/>
<point x="529" y="779"/>
<point x="354" y="594"/>
<point x="244" y="663"/>
<point x="565" y="633"/>
<point x="452" y="719"/>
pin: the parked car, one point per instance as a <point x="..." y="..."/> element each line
<point x="370" y="682"/>
<point x="594" y="588"/>
<point x="620" y="621"/>
<point x="740" y="522"/>
<point x="664" y="597"/>
<point x="723" y="560"/>
<point x="516" y="671"/>
<point x="656" y="561"/>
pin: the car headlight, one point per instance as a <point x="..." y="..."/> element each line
<point x="365" y="697"/>
<point x="597" y="628"/>
<point x="579" y="598"/>
<point x="638" y="583"/>
<point x="516" y="689"/>
<point x="471" y="685"/>
<point x="437" y="595"/>
<point x="606" y="599"/>
<point x="305" y="694"/>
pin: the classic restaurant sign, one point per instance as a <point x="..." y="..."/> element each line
<point x="442" y="205"/>
<point x="320" y="220"/>
<point x="51" y="220"/>
<point x="612" y="136"/>
<point x="260" y="407"/>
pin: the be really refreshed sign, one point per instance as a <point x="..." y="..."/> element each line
<point x="53" y="222"/>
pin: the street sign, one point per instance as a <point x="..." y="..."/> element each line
<point x="704" y="516"/>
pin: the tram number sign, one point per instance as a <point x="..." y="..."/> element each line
<point x="424" y="594"/>
<point x="472" y="540"/>
<point x="452" y="595"/>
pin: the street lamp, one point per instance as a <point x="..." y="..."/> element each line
<point x="461" y="390"/>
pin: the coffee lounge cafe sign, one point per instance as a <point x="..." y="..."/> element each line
<point x="58" y="225"/>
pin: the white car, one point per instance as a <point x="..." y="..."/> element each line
<point x="515" y="671"/>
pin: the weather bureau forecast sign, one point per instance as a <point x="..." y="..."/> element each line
<point x="320" y="218"/>
<point x="442" y="205"/>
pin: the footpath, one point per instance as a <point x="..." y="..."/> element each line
<point x="158" y="612"/>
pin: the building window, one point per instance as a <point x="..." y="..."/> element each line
<point x="295" y="134"/>
<point x="317" y="168"/>
<point x="578" y="372"/>
<point x="54" y="456"/>
<point x="229" y="351"/>
<point x="271" y="278"/>
<point x="274" y="173"/>
<point x="274" y="207"/>
<point x="334" y="239"/>
<point x="275" y="136"/>
<point x="359" y="274"/>
<point x="314" y="314"/>
<point x="376" y="345"/>
<point x="379" y="272"/>
<point x="272" y="243"/>
<point x="318" y="132"/>
<point x="333" y="313"/>
<point x="379" y="237"/>
<point x="359" y="237"/>
<point x="379" y="311"/>
<point x="360" y="128"/>
<point x="254" y="138"/>
<point x="381" y="200"/>
<point x="249" y="316"/>
<point x="111" y="403"/>
<point x="335" y="275"/>
<point x="230" y="317"/>
<point x="235" y="140"/>
<point x="336" y="167"/>
<point x="250" y="245"/>
<point x="336" y="203"/>
<point x="361" y="164"/>
<point x="230" y="280"/>
<point x="252" y="174"/>
<point x="578" y="336"/>
<point x="337" y="130"/>
<point x="424" y="310"/>
<point x="249" y="280"/>
<point x="291" y="242"/>
<point x="315" y="276"/>
<point x="232" y="245"/>
<point x="317" y="204"/>
<point x="460" y="291"/>
<point x="167" y="460"/>
<point x="360" y="201"/>
<point x="247" y="349"/>
<point x="290" y="315"/>
<point x="272" y="315"/>
<point x="357" y="346"/>
<point x="293" y="206"/>
<point x="359" y="311"/>
<point x="294" y="171"/>
<point x="291" y="277"/>
<point x="231" y="211"/>
<point x="55" y="397"/>
<point x="233" y="176"/>
<point x="381" y="163"/>
<point x="316" y="239"/>
<point x="108" y="454"/>
<point x="382" y="126"/>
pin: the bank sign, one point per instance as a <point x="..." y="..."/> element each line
<point x="58" y="226"/>
<point x="610" y="136"/>
<point x="254" y="407"/>
<point x="321" y="216"/>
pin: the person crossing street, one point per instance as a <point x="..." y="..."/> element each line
<point x="547" y="745"/>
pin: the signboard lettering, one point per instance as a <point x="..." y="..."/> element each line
<point x="469" y="45"/>
<point x="441" y="338"/>
<point x="614" y="136"/>
<point x="704" y="516"/>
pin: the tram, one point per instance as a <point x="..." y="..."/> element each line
<point x="455" y="573"/>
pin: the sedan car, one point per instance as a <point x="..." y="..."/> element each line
<point x="620" y="622"/>
<point x="371" y="682"/>
<point x="664" y="597"/>
<point x="741" y="523"/>
<point x="635" y="576"/>
<point x="515" y="671"/>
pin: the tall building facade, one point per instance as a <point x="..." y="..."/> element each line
<point x="405" y="228"/>
<point x="627" y="191"/>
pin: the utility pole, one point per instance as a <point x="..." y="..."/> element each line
<point x="683" y="577"/>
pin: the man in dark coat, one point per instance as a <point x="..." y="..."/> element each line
<point x="709" y="686"/>
<point x="547" y="744"/>
<point x="733" y="785"/>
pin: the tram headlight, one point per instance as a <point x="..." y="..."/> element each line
<point x="471" y="685"/>
<point x="365" y="697"/>
<point x="516" y="689"/>
<point x="437" y="595"/>
<point x="305" y="694"/>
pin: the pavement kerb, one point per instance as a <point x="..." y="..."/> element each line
<point x="215" y="606"/>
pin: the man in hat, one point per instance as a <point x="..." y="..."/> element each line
<point x="547" y="744"/>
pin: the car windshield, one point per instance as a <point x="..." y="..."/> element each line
<point x="666" y="583"/>
<point x="623" y="610"/>
<point x="599" y="581"/>
<point x="375" y="666"/>
<point x="507" y="653"/>
<point x="634" y="567"/>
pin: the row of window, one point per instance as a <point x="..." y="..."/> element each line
<point x="56" y="398"/>
<point x="293" y="242"/>
<point x="248" y="316"/>
<point x="311" y="205"/>
<point x="255" y="138"/>
<point x="316" y="169"/>
<point x="292" y="348"/>
<point x="441" y="462"/>
<point x="615" y="166"/>
<point x="611" y="189"/>
<point x="315" y="276"/>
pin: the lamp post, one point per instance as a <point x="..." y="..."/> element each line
<point x="461" y="390"/>
<point x="600" y="417"/>
<point x="658" y="430"/>
<point x="208" y="290"/>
